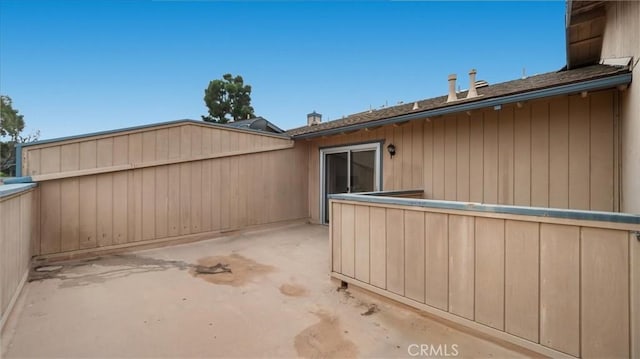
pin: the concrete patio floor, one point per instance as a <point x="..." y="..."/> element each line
<point x="278" y="301"/>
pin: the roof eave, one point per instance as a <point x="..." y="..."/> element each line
<point x="589" y="85"/>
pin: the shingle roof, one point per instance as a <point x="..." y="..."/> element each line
<point x="538" y="82"/>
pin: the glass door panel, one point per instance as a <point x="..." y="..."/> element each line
<point x="363" y="171"/>
<point x="336" y="176"/>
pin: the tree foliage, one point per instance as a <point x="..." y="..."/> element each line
<point x="11" y="126"/>
<point x="228" y="99"/>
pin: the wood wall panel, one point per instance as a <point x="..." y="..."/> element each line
<point x="521" y="279"/>
<point x="559" y="286"/>
<point x="378" y="246"/>
<point x="601" y="166"/>
<point x="414" y="254"/>
<point x="104" y="210"/>
<point x="539" y="155"/>
<point x="476" y="158"/>
<point x="461" y="265"/>
<point x="490" y="173"/>
<point x="348" y="252"/>
<point x="362" y="240"/>
<point x="462" y="159"/>
<point x="579" y="149"/>
<point x="506" y="156"/>
<point x="437" y="260"/>
<point x="395" y="251"/>
<point x="336" y="237"/>
<point x="70" y="214"/>
<point x="559" y="153"/>
<point x="605" y="293"/>
<point x="522" y="153"/>
<point x="489" y="262"/>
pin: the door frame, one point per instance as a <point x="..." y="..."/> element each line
<point x="376" y="146"/>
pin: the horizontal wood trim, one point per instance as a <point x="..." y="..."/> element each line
<point x="455" y="319"/>
<point x="573" y="222"/>
<point x="117" y="168"/>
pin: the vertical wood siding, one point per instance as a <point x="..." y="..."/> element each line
<point x="141" y="147"/>
<point x="17" y="221"/>
<point x="159" y="202"/>
<point x="556" y="152"/>
<point x="558" y="284"/>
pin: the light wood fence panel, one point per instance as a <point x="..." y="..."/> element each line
<point x="17" y="223"/>
<point x="562" y="287"/>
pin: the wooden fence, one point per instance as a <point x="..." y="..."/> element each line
<point x="560" y="282"/>
<point x="17" y="219"/>
<point x="170" y="182"/>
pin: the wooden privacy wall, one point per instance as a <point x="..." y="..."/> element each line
<point x="172" y="201"/>
<point x="17" y="219"/>
<point x="176" y="193"/>
<point x="559" y="152"/>
<point x="539" y="282"/>
<point x="142" y="147"/>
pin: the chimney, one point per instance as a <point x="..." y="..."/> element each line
<point x="314" y="118"/>
<point x="452" y="88"/>
<point x="472" y="84"/>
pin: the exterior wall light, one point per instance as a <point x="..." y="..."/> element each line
<point x="392" y="150"/>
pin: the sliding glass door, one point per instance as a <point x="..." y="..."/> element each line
<point x="348" y="169"/>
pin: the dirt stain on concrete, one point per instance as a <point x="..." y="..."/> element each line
<point x="293" y="290"/>
<point x="101" y="269"/>
<point x="324" y="340"/>
<point x="238" y="271"/>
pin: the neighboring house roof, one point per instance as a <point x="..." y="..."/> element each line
<point x="256" y="123"/>
<point x="549" y="84"/>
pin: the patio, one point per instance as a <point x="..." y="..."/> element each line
<point x="278" y="301"/>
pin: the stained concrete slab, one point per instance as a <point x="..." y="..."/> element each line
<point x="276" y="301"/>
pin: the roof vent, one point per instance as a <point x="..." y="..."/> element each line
<point x="452" y="88"/>
<point x="472" y="84"/>
<point x="481" y="84"/>
<point x="415" y="106"/>
<point x="314" y="119"/>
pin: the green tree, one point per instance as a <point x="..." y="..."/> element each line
<point x="228" y="99"/>
<point x="11" y="126"/>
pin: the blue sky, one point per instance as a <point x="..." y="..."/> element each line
<point x="74" y="67"/>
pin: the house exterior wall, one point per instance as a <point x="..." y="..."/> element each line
<point x="171" y="191"/>
<point x="621" y="39"/>
<point x="557" y="152"/>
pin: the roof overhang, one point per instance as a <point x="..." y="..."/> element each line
<point x="585" y="22"/>
<point x="590" y="85"/>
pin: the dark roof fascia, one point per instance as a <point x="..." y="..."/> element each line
<point x="142" y="127"/>
<point x="589" y="85"/>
